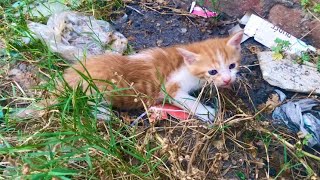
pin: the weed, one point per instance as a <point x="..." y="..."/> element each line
<point x="316" y="8"/>
<point x="305" y="3"/>
<point x="214" y="4"/>
<point x="311" y="4"/>
<point x="305" y="57"/>
<point x="241" y="175"/>
<point x="280" y="48"/>
<point x="306" y="139"/>
<point x="309" y="56"/>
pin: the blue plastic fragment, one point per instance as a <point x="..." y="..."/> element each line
<point x="299" y="116"/>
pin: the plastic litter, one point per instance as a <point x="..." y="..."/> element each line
<point x="201" y="11"/>
<point x="161" y="112"/>
<point x="300" y="116"/>
<point x="75" y="36"/>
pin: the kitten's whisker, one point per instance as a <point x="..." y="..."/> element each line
<point x="247" y="67"/>
<point x="196" y="104"/>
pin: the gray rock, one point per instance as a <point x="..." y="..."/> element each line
<point x="288" y="75"/>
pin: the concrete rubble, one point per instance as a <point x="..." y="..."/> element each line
<point x="288" y="75"/>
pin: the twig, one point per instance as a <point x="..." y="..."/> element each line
<point x="163" y="13"/>
<point x="238" y="109"/>
<point x="136" y="10"/>
<point x="311" y="93"/>
<point x="268" y="161"/>
<point x="313" y="14"/>
<point x="194" y="153"/>
<point x="19" y="87"/>
<point x="45" y="127"/>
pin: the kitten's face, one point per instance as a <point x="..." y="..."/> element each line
<point x="220" y="69"/>
<point x="216" y="61"/>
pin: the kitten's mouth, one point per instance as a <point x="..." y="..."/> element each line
<point x="226" y="86"/>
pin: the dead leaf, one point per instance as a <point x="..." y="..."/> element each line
<point x="219" y="144"/>
<point x="272" y="102"/>
<point x="260" y="163"/>
<point x="218" y="162"/>
<point x="301" y="135"/>
<point x="225" y="156"/>
<point x="254" y="49"/>
<point x="253" y="152"/>
<point x="277" y="56"/>
<point x="126" y="117"/>
<point x="25" y="169"/>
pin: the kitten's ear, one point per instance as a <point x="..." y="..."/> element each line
<point x="235" y="40"/>
<point x="188" y="56"/>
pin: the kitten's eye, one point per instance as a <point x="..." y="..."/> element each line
<point x="213" y="72"/>
<point x="233" y="65"/>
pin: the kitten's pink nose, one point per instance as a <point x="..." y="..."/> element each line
<point x="227" y="81"/>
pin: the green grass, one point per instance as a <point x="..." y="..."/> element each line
<point x="312" y="5"/>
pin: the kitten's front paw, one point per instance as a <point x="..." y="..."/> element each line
<point x="206" y="114"/>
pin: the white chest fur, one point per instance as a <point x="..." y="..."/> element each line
<point x="186" y="81"/>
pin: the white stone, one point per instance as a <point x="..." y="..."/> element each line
<point x="288" y="75"/>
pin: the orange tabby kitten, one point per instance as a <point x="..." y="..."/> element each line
<point x="154" y="73"/>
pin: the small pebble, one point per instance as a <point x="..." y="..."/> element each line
<point x="22" y="67"/>
<point x="183" y="30"/>
<point x="159" y="42"/>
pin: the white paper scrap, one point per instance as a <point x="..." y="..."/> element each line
<point x="265" y="33"/>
